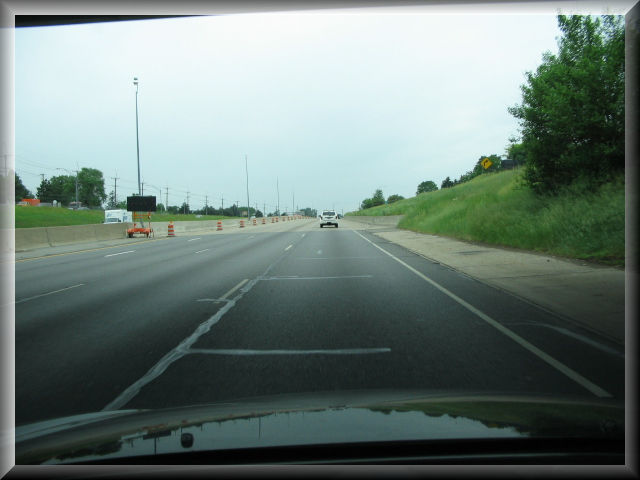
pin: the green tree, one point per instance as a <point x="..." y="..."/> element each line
<point x="91" y="187"/>
<point x="21" y="191"/>
<point x="447" y="183"/>
<point x="516" y="152"/>
<point x="572" y="111"/>
<point x="310" y="212"/>
<point x="378" y="198"/>
<point x="426" y="186"/>
<point x="61" y="188"/>
<point x="478" y="169"/>
<point x="366" y="203"/>
<point x="394" y="198"/>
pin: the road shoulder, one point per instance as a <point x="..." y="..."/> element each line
<point x="592" y="296"/>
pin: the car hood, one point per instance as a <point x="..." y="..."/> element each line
<point x="313" y="419"/>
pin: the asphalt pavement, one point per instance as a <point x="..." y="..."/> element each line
<point x="281" y="308"/>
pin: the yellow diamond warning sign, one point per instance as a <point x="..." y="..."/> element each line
<point x="486" y="163"/>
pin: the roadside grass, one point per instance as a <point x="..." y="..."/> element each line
<point x="29" y="217"/>
<point x="498" y="209"/>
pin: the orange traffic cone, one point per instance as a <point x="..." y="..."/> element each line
<point x="219" y="226"/>
<point x="170" y="232"/>
<point x="241" y="223"/>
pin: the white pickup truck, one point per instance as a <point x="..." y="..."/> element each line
<point x="117" y="216"/>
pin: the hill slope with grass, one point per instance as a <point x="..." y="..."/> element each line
<point x="498" y="209"/>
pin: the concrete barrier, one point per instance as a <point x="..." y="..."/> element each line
<point x="109" y="231"/>
<point x="28" y="238"/>
<point x="70" y="234"/>
<point x="40" y="237"/>
<point x="381" y="221"/>
<point x="192" y="226"/>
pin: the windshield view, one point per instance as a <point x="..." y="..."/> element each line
<point x="175" y="290"/>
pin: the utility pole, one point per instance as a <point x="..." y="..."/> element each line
<point x="142" y="191"/>
<point x="205" y="204"/>
<point x="187" y="205"/>
<point x="135" y="82"/>
<point x="222" y="200"/>
<point x="247" y="170"/>
<point x="76" y="188"/>
<point x="278" y="189"/>
<point x="166" y="198"/>
<point x="115" y="189"/>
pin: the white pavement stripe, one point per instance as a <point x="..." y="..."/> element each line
<point x="317" y="278"/>
<point x="339" y="351"/>
<point x="180" y="351"/>
<point x="572" y="374"/>
<point x="193" y="239"/>
<point x="335" y="258"/>
<point x="234" y="288"/>
<point x="121" y="253"/>
<point x="288" y="248"/>
<point x="200" y="251"/>
<point x="49" y="293"/>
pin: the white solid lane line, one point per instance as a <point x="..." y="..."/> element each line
<point x="121" y="253"/>
<point x="572" y="374"/>
<point x="200" y="251"/>
<point x="317" y="278"/>
<point x="49" y="293"/>
<point x="194" y="239"/>
<point x="340" y="351"/>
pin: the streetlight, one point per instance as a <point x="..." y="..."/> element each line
<point x="135" y="82"/>
<point x="248" y="206"/>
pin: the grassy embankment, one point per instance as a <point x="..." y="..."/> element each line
<point x="497" y="209"/>
<point x="27" y="217"/>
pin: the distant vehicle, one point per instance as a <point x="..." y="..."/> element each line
<point x="328" y="217"/>
<point x="117" y="216"/>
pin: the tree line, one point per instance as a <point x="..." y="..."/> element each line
<point x="571" y="117"/>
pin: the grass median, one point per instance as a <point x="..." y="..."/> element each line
<point x="28" y="217"/>
<point x="498" y="209"/>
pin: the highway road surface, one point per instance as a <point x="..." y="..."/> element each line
<point x="269" y="310"/>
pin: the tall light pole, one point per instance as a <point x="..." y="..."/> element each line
<point x="278" y="190"/>
<point x="247" y="169"/>
<point x="135" y="82"/>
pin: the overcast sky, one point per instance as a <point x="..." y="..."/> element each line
<point x="330" y="106"/>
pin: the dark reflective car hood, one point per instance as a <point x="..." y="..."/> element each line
<point x="313" y="419"/>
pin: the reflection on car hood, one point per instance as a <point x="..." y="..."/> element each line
<point x="312" y="419"/>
